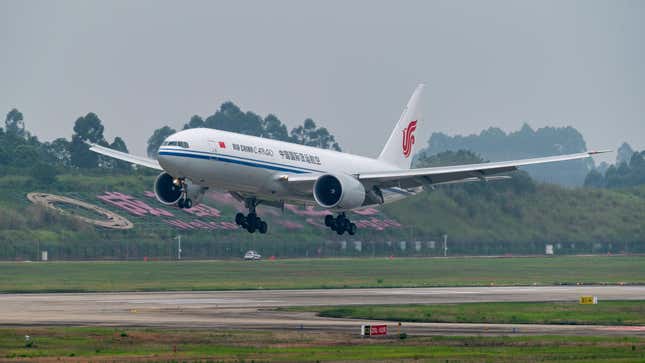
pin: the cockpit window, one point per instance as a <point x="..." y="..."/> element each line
<point x="183" y="144"/>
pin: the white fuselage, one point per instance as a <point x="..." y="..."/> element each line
<point x="230" y="161"/>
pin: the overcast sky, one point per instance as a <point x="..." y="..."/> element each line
<point x="349" y="65"/>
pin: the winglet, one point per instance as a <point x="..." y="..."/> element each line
<point x="596" y="152"/>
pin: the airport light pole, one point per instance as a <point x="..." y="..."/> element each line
<point x="178" y="247"/>
<point x="445" y="245"/>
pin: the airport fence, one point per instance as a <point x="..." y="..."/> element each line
<point x="198" y="247"/>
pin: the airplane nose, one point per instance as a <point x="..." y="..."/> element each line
<point x="165" y="161"/>
<point x="160" y="157"/>
<point x="170" y="163"/>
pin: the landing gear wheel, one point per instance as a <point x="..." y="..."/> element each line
<point x="239" y="219"/>
<point x="180" y="204"/>
<point x="251" y="222"/>
<point x="188" y="203"/>
<point x="329" y="220"/>
<point x="340" y="224"/>
<point x="351" y="229"/>
<point x="263" y="227"/>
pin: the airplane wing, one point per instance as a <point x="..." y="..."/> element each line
<point x="459" y="173"/>
<point x="410" y="178"/>
<point x="138" y="160"/>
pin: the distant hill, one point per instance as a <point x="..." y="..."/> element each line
<point x="512" y="216"/>
<point x="493" y="144"/>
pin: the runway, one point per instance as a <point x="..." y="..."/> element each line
<point x="256" y="309"/>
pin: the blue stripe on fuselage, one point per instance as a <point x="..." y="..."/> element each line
<point x="232" y="161"/>
<point x="237" y="158"/>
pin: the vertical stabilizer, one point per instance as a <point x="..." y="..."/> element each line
<point x="400" y="147"/>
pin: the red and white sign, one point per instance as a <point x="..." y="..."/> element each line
<point x="378" y="330"/>
<point x="374" y="330"/>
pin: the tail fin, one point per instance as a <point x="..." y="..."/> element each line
<point x="400" y="145"/>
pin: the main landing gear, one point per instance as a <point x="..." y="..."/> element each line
<point x="340" y="224"/>
<point x="251" y="222"/>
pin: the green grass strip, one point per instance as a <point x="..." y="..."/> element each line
<point x="318" y="273"/>
<point x="604" y="313"/>
<point x="110" y="344"/>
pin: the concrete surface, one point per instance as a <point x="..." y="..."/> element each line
<point x="254" y="309"/>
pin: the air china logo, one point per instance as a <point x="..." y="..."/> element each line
<point x="408" y="138"/>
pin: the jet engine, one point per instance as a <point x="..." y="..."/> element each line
<point x="168" y="190"/>
<point x="340" y="192"/>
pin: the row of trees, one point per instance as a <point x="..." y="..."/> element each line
<point x="627" y="173"/>
<point x="18" y="148"/>
<point x="496" y="145"/>
<point x="229" y="117"/>
<point x="520" y="182"/>
<point x="21" y="150"/>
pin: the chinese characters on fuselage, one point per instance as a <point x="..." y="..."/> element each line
<point x="296" y="156"/>
<point x="285" y="154"/>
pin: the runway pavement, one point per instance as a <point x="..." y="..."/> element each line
<point x="255" y="309"/>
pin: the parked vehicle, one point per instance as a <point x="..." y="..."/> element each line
<point x="252" y="255"/>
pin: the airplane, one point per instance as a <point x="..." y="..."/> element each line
<point x="257" y="171"/>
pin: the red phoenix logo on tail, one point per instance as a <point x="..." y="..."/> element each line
<point x="408" y="138"/>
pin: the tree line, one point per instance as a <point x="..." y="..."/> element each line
<point x="22" y="151"/>
<point x="628" y="171"/>
<point x="496" y="145"/>
<point x="229" y="117"/>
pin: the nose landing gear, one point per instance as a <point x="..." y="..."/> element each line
<point x="184" y="201"/>
<point x="340" y="224"/>
<point x="251" y="222"/>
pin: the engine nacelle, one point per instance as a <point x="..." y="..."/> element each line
<point x="169" y="192"/>
<point x="339" y="191"/>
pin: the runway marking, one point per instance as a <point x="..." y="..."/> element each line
<point x="623" y="328"/>
<point x="445" y="292"/>
<point x="188" y="301"/>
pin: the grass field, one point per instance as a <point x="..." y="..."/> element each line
<point x="317" y="273"/>
<point x="108" y="344"/>
<point x="605" y="313"/>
